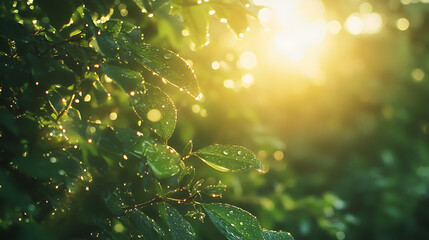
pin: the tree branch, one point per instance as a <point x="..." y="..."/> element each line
<point x="64" y="111"/>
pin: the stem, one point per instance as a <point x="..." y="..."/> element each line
<point x="163" y="198"/>
<point x="64" y="111"/>
<point x="75" y="38"/>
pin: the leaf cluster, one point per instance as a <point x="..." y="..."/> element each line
<point x="68" y="72"/>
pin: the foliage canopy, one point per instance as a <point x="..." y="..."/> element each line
<point x="69" y="69"/>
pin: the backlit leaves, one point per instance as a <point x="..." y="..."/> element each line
<point x="234" y="13"/>
<point x="167" y="65"/>
<point x="180" y="228"/>
<point x="144" y="225"/>
<point x="272" y="235"/>
<point x="228" y="157"/>
<point x="163" y="160"/>
<point x="233" y="222"/>
<point x="196" y="22"/>
<point x="128" y="79"/>
<point x="156" y="109"/>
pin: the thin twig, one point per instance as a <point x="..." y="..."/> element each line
<point x="164" y="199"/>
<point x="64" y="111"/>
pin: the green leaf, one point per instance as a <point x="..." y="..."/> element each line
<point x="156" y="109"/>
<point x="150" y="5"/>
<point x="228" y="157"/>
<point x="196" y="22"/>
<point x="87" y="19"/>
<point x="197" y="186"/>
<point x="48" y="72"/>
<point x="272" y="235"/>
<point x="234" y="13"/>
<point x="107" y="45"/>
<point x="128" y="138"/>
<point x="128" y="79"/>
<point x="144" y="225"/>
<point x="180" y="228"/>
<point x="215" y="190"/>
<point x="188" y="148"/>
<point x="113" y="26"/>
<point x="163" y="160"/>
<point x="233" y="222"/>
<point x="167" y="65"/>
<point x="186" y="176"/>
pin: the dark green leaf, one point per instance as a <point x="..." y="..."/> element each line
<point x="87" y="19"/>
<point x="228" y="157"/>
<point x="144" y="225"/>
<point x="272" y="235"/>
<point x="48" y="71"/>
<point x="7" y="120"/>
<point x="163" y="160"/>
<point x="186" y="176"/>
<point x="180" y="228"/>
<point x="128" y="138"/>
<point x="128" y="79"/>
<point x="107" y="45"/>
<point x="167" y="65"/>
<point x="13" y="72"/>
<point x="233" y="222"/>
<point x="45" y="167"/>
<point x="114" y="204"/>
<point x="156" y="110"/>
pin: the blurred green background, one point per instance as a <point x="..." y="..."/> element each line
<point x="333" y="96"/>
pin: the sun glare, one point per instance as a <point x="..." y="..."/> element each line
<point x="297" y="24"/>
<point x="300" y="26"/>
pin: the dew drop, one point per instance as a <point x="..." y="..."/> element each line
<point x="168" y="56"/>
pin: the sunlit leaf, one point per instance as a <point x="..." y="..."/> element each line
<point x="188" y="148"/>
<point x="233" y="222"/>
<point x="180" y="228"/>
<point x="128" y="79"/>
<point x="196" y="22"/>
<point x="156" y="110"/>
<point x="167" y="65"/>
<point x="113" y="26"/>
<point x="150" y="5"/>
<point x="228" y="157"/>
<point x="163" y="160"/>
<point x="234" y="13"/>
<point x="144" y="225"/>
<point x="273" y="235"/>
